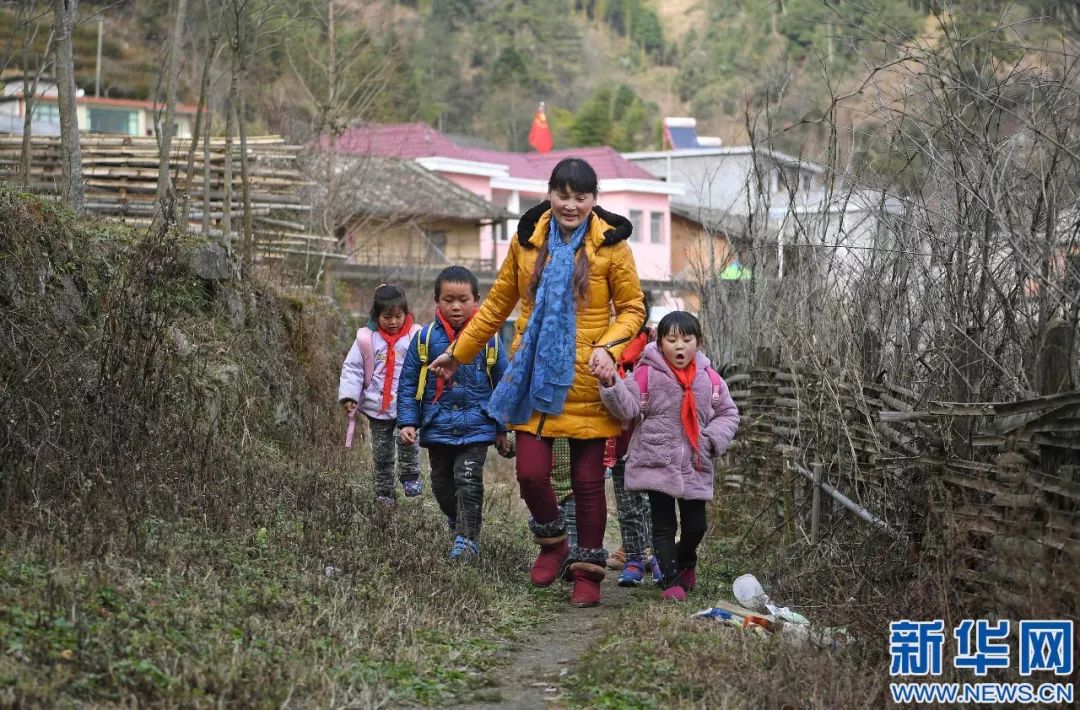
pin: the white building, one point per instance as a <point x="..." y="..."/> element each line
<point x="96" y="114"/>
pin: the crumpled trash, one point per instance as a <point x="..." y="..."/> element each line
<point x="749" y="592"/>
<point x="756" y="612"/>
<point x="803" y="634"/>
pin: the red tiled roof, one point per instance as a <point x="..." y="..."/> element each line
<point x="396" y="140"/>
<point x="606" y="161"/>
<point x="419" y="140"/>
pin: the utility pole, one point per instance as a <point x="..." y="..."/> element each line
<point x="97" y="66"/>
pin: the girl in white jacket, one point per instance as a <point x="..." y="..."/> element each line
<point x="369" y="382"/>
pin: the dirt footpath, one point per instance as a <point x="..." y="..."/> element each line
<point x="530" y="678"/>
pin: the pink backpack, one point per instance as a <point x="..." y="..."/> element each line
<point x="641" y="375"/>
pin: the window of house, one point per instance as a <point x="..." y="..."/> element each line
<point x="806" y="178"/>
<point x="111" y="120"/>
<point x="502" y="231"/>
<point x="45" y="113"/>
<point x="656" y="227"/>
<point x="436" y="242"/>
<point x="636" y="220"/>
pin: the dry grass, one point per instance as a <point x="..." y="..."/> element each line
<point x="655" y="655"/>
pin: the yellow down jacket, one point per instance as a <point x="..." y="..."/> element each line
<point x="613" y="281"/>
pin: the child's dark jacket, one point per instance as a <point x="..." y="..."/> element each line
<point x="461" y="415"/>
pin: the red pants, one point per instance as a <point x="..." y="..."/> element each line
<point x="586" y="479"/>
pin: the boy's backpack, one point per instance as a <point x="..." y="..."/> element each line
<point x="641" y="375"/>
<point x="367" y="350"/>
<point x="491" y="356"/>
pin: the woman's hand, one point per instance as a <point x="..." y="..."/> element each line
<point x="444" y="366"/>
<point x="504" y="446"/>
<point x="602" y="365"/>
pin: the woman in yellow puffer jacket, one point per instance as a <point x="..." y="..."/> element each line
<point x="569" y="266"/>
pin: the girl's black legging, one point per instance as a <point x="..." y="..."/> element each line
<point x="675" y="557"/>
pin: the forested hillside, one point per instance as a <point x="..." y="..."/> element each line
<point x="609" y="70"/>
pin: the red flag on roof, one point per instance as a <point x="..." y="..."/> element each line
<point x="540" y="133"/>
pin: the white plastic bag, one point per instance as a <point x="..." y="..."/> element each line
<point x="750" y="594"/>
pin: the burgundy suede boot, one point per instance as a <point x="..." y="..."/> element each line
<point x="687" y="579"/>
<point x="587" y="578"/>
<point x="553" y="552"/>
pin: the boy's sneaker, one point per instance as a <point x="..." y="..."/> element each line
<point x="464" y="549"/>
<point x="412" y="488"/>
<point x="654" y="567"/>
<point x="633" y="574"/>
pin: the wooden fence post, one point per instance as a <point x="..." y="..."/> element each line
<point x="787" y="481"/>
<point x="815" y="503"/>
<point x="1053" y="375"/>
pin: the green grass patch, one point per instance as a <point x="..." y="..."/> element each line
<point x="253" y="618"/>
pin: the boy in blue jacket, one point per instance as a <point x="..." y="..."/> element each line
<point x="452" y="418"/>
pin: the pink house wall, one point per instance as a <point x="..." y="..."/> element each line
<point x="653" y="260"/>
<point x="478" y="185"/>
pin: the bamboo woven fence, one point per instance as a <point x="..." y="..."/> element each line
<point x="978" y="499"/>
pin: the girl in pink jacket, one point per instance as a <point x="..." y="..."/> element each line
<point x="687" y="420"/>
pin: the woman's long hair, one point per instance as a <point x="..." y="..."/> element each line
<point x="574" y="175"/>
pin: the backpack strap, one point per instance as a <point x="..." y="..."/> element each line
<point x="423" y="351"/>
<point x="492" y="356"/>
<point x="714" y="379"/>
<point x="641" y="376"/>
<point x="367" y="352"/>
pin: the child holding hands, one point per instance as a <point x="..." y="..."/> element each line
<point x="450" y="419"/>
<point x="687" y="420"/>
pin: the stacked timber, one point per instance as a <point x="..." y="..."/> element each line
<point x="120" y="174"/>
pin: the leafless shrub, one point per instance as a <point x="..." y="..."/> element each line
<point x="940" y="257"/>
<point x="126" y="384"/>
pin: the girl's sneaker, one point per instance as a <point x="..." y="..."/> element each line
<point x="675" y="593"/>
<point x="412" y="488"/>
<point x="617" y="559"/>
<point x="633" y="574"/>
<point x="464" y="549"/>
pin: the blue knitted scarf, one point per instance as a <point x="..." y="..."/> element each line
<point x="539" y="376"/>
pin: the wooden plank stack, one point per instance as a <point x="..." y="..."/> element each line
<point x="121" y="172"/>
